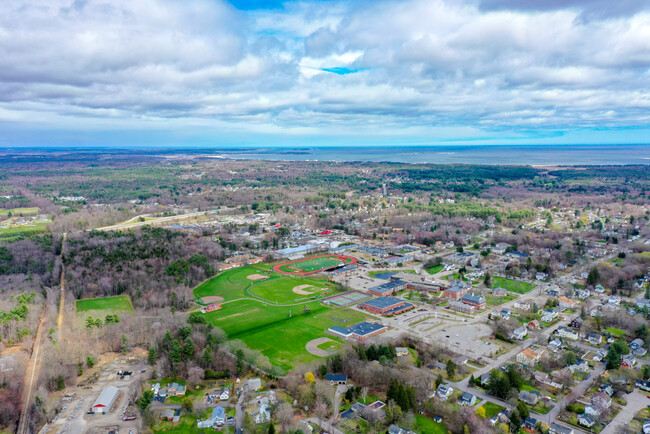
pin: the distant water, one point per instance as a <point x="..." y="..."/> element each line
<point x="555" y="155"/>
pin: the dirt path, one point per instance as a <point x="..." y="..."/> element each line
<point x="31" y="376"/>
<point x="59" y="318"/>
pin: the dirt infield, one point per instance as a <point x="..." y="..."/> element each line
<point x="256" y="277"/>
<point x="300" y="290"/>
<point x="312" y="347"/>
<point x="211" y="299"/>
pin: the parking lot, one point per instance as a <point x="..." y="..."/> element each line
<point x="76" y="401"/>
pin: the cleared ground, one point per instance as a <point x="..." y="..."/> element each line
<point x="20" y="211"/>
<point x="120" y="303"/>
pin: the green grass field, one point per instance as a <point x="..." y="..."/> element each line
<point x="428" y="426"/>
<point x="330" y="346"/>
<point x="277" y="288"/>
<point x="120" y="303"/>
<point x="615" y="332"/>
<point x="512" y="285"/>
<point x="280" y="333"/>
<point x="312" y="264"/>
<point x="434" y="270"/>
<point x="492" y="409"/>
<point x="280" y="289"/>
<point x="20" y="211"/>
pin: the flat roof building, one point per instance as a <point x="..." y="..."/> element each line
<point x="358" y="332"/>
<point x="386" y="306"/>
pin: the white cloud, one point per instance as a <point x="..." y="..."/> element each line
<point x="423" y="64"/>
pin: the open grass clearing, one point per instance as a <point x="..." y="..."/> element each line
<point x="434" y="270"/>
<point x="492" y="409"/>
<point x="120" y="303"/>
<point x="424" y="425"/>
<point x="20" y="211"/>
<point x="512" y="285"/>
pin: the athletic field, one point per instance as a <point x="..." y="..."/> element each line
<point x="314" y="264"/>
<point x="281" y="332"/>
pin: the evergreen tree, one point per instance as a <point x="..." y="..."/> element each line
<point x="188" y="349"/>
<point x="153" y="355"/>
<point x="207" y="356"/>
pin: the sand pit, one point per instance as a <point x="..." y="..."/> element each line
<point x="256" y="277"/>
<point x="312" y="347"/>
<point x="300" y="290"/>
<point x="212" y="299"/>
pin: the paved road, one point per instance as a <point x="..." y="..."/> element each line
<point x="635" y="402"/>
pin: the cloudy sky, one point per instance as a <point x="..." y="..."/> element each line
<point x="255" y="72"/>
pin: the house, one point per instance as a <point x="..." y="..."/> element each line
<point x="172" y="415"/>
<point x="394" y="429"/>
<point x="335" y="379"/>
<point x="401" y="351"/>
<point x="519" y="333"/>
<point x="520" y="305"/>
<point x="628" y="361"/>
<point x="555" y="345"/>
<point x="599" y="289"/>
<point x="474" y="300"/>
<point x="105" y="400"/>
<point x="576" y="323"/>
<point x="444" y="392"/>
<point x="217" y="419"/>
<point x="467" y="399"/>
<point x="593" y="410"/>
<point x="637" y="343"/>
<point x="567" y="333"/>
<point x="499" y="292"/>
<point x="643" y="384"/>
<point x="587" y="420"/>
<point x="606" y="388"/>
<point x="530" y="398"/>
<point x="530" y="424"/>
<point x="505" y="313"/>
<point x="594" y="339"/>
<point x="485" y="379"/>
<point x="556" y="428"/>
<point x="176" y="389"/>
<point x="541" y="276"/>
<point x="253" y="384"/>
<point x="528" y="357"/>
<point x="602" y="399"/>
<point x="533" y="325"/>
<point x="580" y="365"/>
<point x="566" y="303"/>
<point x="544" y="378"/>
<point x="583" y="294"/>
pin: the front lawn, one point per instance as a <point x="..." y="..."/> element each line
<point x="492" y="409"/>
<point x="424" y="425"/>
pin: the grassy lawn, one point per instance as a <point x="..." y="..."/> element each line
<point x="615" y="332"/>
<point x="496" y="301"/>
<point x="20" y="211"/>
<point x="434" y="270"/>
<point x="512" y="285"/>
<point x="8" y="233"/>
<point x="187" y="424"/>
<point x="492" y="409"/>
<point x="120" y="303"/>
<point x="428" y="426"/>
<point x="280" y="333"/>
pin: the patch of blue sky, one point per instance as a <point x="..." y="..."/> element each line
<point x="342" y="70"/>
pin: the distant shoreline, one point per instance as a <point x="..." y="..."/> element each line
<point x="538" y="156"/>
